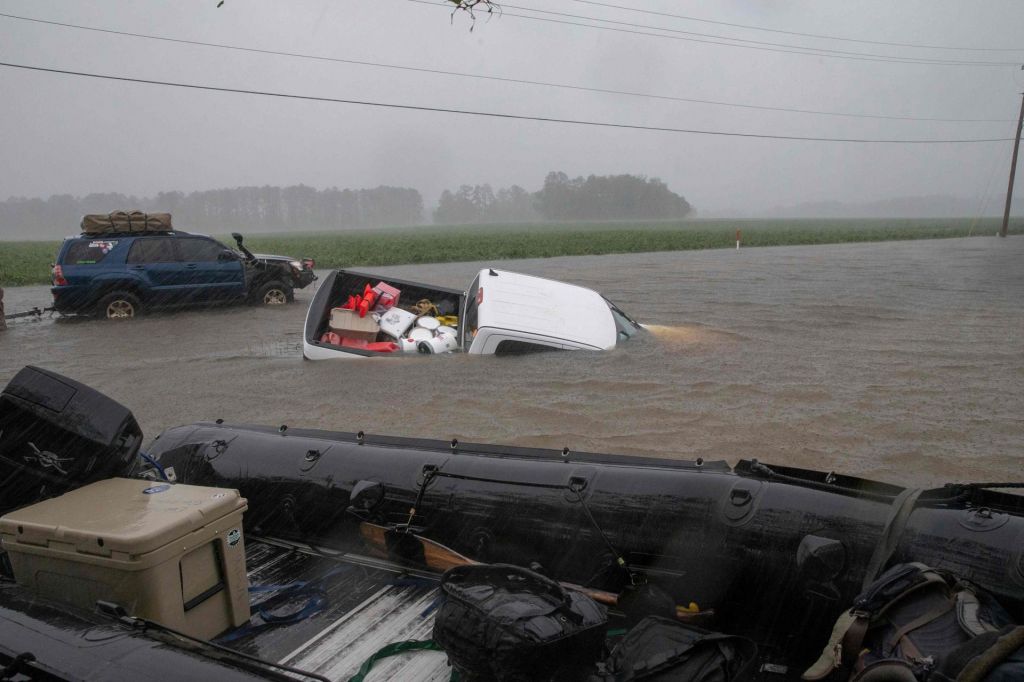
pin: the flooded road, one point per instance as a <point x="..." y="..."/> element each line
<point x="901" y="361"/>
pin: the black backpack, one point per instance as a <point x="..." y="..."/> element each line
<point x="660" y="649"/>
<point x="915" y="623"/>
<point x="509" y="624"/>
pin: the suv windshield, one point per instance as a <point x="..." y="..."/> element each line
<point x="88" y="252"/>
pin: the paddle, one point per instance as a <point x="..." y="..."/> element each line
<point x="406" y="546"/>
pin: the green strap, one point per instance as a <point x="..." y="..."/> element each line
<point x="394" y="649"/>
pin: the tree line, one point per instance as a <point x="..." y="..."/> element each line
<point x="597" y="197"/>
<point x="299" y="207"/>
<point x="267" y="208"/>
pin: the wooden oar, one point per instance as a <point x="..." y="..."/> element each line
<point x="390" y="543"/>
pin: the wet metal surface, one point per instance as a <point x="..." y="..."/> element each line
<point x="899" y="361"/>
<point x="366" y="610"/>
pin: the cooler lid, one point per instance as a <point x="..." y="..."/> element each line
<point x="120" y="515"/>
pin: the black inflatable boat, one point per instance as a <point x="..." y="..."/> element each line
<point x="770" y="553"/>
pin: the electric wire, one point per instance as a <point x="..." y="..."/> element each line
<point x="797" y="50"/>
<point x="818" y="51"/>
<point x="997" y="160"/>
<point x="490" y="114"/>
<point x="520" y="81"/>
<point x="798" y="33"/>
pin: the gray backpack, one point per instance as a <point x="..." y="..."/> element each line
<point x="915" y="623"/>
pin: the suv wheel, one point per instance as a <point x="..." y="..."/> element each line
<point x="273" y="293"/>
<point x="119" y="305"/>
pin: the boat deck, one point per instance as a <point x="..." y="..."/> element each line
<point x="370" y="603"/>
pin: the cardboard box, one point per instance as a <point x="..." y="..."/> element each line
<point x="348" y="324"/>
<point x="173" y="554"/>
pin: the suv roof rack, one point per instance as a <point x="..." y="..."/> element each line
<point x="136" y="233"/>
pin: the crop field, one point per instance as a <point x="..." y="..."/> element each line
<point x="28" y="262"/>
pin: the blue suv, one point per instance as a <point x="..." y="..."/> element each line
<point x="119" y="275"/>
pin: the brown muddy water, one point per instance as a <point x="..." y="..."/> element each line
<point x="900" y="361"/>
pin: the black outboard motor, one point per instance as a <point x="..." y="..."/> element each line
<point x="57" y="434"/>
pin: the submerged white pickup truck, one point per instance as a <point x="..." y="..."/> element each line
<point x="501" y="313"/>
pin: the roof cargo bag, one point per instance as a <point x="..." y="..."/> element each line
<point x="126" y="221"/>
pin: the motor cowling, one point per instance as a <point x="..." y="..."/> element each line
<point x="57" y="434"/>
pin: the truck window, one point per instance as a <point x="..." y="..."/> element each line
<point x="88" y="252"/>
<point x="196" y="250"/>
<point x="152" y="250"/>
<point x="509" y="347"/>
<point x="625" y="326"/>
<point x="469" y="325"/>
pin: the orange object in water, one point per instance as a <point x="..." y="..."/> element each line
<point x="383" y="347"/>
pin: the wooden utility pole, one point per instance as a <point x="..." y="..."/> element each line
<point x="1013" y="169"/>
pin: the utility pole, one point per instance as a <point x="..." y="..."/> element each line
<point x="1013" y="169"/>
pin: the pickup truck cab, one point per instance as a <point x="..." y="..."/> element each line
<point x="501" y="312"/>
<point x="119" y="275"/>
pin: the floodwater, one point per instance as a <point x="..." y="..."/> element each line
<point x="900" y="361"/>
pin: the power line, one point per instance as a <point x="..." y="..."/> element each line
<point x="521" y="81"/>
<point x="817" y="51"/>
<point x="803" y="35"/>
<point x="466" y="112"/>
<point x="793" y="49"/>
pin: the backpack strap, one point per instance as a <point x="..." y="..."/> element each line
<point x="899" y="514"/>
<point x="900" y="636"/>
<point x="843" y="648"/>
<point x="887" y="671"/>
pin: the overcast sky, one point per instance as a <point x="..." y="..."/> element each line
<point x="64" y="134"/>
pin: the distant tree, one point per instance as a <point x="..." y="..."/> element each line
<point x="479" y="204"/>
<point x="608" y="197"/>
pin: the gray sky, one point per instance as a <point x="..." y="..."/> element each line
<point x="62" y="134"/>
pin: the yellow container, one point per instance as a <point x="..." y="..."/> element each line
<point x="173" y="554"/>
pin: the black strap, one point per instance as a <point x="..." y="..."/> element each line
<point x="902" y="508"/>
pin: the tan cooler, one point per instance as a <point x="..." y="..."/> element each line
<point x="173" y="554"/>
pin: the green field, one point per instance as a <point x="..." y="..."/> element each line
<point x="28" y="262"/>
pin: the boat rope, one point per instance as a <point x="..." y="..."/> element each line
<point x="241" y="658"/>
<point x="155" y="464"/>
<point x="270" y="611"/>
<point x="394" y="649"/>
<point x="620" y="561"/>
<point x="769" y="473"/>
<point x="431" y="471"/>
<point x="982" y="486"/>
